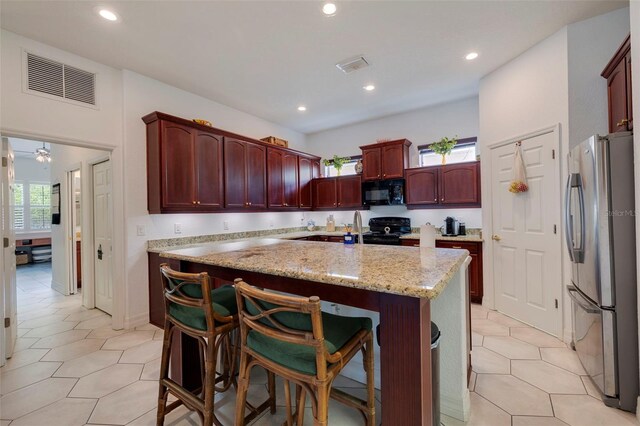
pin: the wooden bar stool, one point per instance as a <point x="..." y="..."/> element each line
<point x="291" y="337"/>
<point x="210" y="317"/>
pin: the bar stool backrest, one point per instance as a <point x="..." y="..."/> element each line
<point x="192" y="291"/>
<point x="291" y="319"/>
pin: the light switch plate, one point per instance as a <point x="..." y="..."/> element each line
<point x="140" y="230"/>
<point x="225" y="225"/>
<point x="177" y="228"/>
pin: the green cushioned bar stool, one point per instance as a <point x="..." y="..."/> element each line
<point x="210" y="316"/>
<point x="291" y="337"/>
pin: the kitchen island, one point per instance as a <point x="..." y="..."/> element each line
<point x="397" y="282"/>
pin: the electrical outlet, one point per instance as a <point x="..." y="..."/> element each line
<point x="177" y="228"/>
<point x="270" y="224"/>
<point x="140" y="230"/>
<point x="225" y="225"/>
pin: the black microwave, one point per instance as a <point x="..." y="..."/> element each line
<point x="383" y="192"/>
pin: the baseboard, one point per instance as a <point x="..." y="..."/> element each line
<point x="450" y="406"/>
<point x="567" y="336"/>
<point x="60" y="288"/>
<point x="136" y="320"/>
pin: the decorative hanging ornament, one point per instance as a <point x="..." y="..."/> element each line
<point x="519" y="181"/>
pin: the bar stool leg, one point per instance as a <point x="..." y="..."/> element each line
<point x="300" y="398"/>
<point x="322" y="414"/>
<point x="369" y="371"/>
<point x="164" y="373"/>
<point x="243" y="386"/>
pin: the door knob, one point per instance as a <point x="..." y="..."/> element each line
<point x="496" y="237"/>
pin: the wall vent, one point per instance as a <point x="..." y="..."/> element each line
<point x="57" y="79"/>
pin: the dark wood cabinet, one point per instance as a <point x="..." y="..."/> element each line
<point x="156" y="293"/>
<point x="453" y="185"/>
<point x="282" y="178"/>
<point x="184" y="168"/>
<point x="245" y="174"/>
<point x="79" y="263"/>
<point x="308" y="169"/>
<point x="475" y="267"/>
<point x="421" y="185"/>
<point x="349" y="191"/>
<point x="618" y="75"/>
<point x="386" y="160"/>
<point x="343" y="192"/>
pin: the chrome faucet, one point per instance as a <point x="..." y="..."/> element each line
<point x="357" y="225"/>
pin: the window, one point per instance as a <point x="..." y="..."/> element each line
<point x="348" y="168"/>
<point x="32" y="211"/>
<point x="464" y="151"/>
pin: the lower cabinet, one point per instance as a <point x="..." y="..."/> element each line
<point x="156" y="292"/>
<point x="475" y="267"/>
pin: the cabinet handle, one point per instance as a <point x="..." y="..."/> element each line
<point x="456" y="247"/>
<point x="442" y="199"/>
<point x="249" y="203"/>
<point x="334" y="204"/>
<point x="338" y="203"/>
<point x="435" y="199"/>
<point x="193" y="202"/>
<point x="622" y="122"/>
<point x="198" y="202"/>
<point x="384" y="175"/>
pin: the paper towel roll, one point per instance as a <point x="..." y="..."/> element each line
<point x="428" y="236"/>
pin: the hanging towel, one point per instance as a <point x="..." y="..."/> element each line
<point x="519" y="181"/>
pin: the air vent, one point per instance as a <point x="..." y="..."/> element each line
<point x="352" y="64"/>
<point x="57" y="79"/>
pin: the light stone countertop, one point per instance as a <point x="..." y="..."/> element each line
<point x="408" y="271"/>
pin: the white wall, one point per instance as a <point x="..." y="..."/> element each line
<point x="67" y="158"/>
<point x="527" y="94"/>
<point x="421" y="126"/>
<point x="591" y="44"/>
<point x="555" y="82"/>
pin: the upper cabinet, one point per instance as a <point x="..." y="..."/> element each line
<point x="386" y="160"/>
<point x="282" y="178"/>
<point x="184" y="168"/>
<point x="245" y="175"/>
<point x="618" y="75"/>
<point x="343" y="192"/>
<point x="308" y="169"/>
<point x="192" y="168"/>
<point x="453" y="185"/>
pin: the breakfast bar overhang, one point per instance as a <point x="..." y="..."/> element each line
<point x="408" y="286"/>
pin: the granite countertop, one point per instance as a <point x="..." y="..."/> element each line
<point x="409" y="271"/>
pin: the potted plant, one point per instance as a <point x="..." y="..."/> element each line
<point x="337" y="162"/>
<point x="444" y="147"/>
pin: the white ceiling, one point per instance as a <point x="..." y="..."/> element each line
<point x="25" y="147"/>
<point x="266" y="57"/>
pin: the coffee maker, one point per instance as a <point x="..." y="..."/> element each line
<point x="451" y="227"/>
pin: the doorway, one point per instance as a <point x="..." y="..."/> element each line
<point x="74" y="185"/>
<point x="526" y="245"/>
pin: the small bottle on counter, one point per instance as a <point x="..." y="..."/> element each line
<point x="331" y="224"/>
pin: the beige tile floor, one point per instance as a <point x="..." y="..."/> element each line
<point x="70" y="368"/>
<point x="524" y="377"/>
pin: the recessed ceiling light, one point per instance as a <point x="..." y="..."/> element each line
<point x="108" y="15"/>
<point x="369" y="87"/>
<point x="329" y="9"/>
<point x="302" y="108"/>
<point x="471" y="56"/>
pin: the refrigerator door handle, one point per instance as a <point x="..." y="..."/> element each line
<point x="576" y="254"/>
<point x="575" y="295"/>
<point x="568" y="220"/>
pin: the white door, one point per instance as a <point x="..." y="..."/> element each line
<point x="9" y="295"/>
<point x="526" y="234"/>
<point x="102" y="236"/>
<point x="73" y="219"/>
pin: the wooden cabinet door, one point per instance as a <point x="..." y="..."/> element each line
<point x="275" y="177"/>
<point x="208" y="158"/>
<point x="475" y="267"/>
<point x="617" y="92"/>
<point x="290" y="180"/>
<point x="316" y="169"/>
<point x="392" y="161"/>
<point x="460" y="184"/>
<point x="349" y="191"/>
<point x="324" y="193"/>
<point x="422" y="185"/>
<point x="235" y="173"/>
<point x="177" y="155"/>
<point x="305" y="173"/>
<point x="371" y="164"/>
<point x="256" y="175"/>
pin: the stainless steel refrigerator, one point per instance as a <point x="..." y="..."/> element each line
<point x="600" y="234"/>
